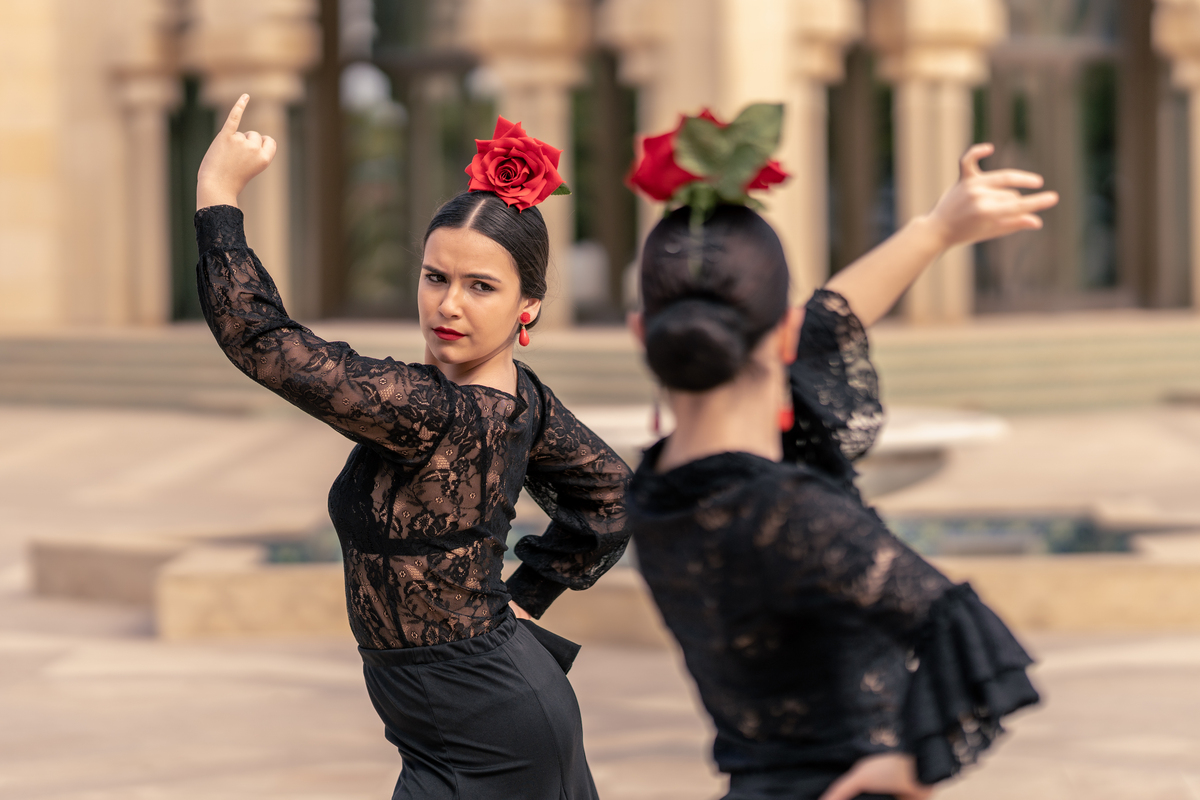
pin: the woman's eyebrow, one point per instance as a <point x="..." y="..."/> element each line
<point x="483" y="276"/>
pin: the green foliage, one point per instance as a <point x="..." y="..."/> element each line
<point x="726" y="158"/>
<point x="562" y="189"/>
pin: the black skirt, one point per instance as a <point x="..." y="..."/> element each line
<point x="492" y="717"/>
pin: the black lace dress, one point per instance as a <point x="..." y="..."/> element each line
<point x="814" y="635"/>
<point x="423" y="508"/>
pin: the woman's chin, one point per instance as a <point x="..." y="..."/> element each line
<point x="448" y="352"/>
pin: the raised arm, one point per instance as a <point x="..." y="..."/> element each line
<point x="401" y="409"/>
<point x="580" y="483"/>
<point x="982" y="205"/>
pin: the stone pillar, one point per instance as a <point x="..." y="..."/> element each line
<point x="533" y="47"/>
<point x="768" y="51"/>
<point x="640" y="30"/>
<point x="261" y="48"/>
<point x="148" y="87"/>
<point x="1176" y="31"/>
<point x="819" y="33"/>
<point x="934" y="52"/>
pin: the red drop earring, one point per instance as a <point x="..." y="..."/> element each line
<point x="787" y="414"/>
<point x="523" y="338"/>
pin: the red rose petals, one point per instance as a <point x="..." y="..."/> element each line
<point x="659" y="176"/>
<point x="521" y="170"/>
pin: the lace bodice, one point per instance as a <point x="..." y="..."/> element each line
<point x="814" y="635"/>
<point x="424" y="503"/>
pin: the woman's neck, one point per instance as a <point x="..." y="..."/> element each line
<point x="740" y="416"/>
<point x="495" y="370"/>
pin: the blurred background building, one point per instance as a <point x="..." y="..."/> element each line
<point x="108" y="108"/>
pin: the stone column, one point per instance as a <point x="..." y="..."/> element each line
<point x="934" y="52"/>
<point x="1176" y="31"/>
<point x="261" y="48"/>
<point x="639" y="31"/>
<point x="148" y="88"/>
<point x="533" y="47"/>
<point x="819" y="33"/>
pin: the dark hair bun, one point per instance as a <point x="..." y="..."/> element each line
<point x="696" y="344"/>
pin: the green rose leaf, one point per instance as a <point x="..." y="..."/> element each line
<point x="562" y="189"/>
<point x="759" y="126"/>
<point x="701" y="147"/>
<point x="743" y="165"/>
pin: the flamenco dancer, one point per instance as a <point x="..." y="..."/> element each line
<point x="835" y="662"/>
<point x="475" y="702"/>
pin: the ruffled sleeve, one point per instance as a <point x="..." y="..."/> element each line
<point x="835" y="390"/>
<point x="965" y="671"/>
<point x="969" y="674"/>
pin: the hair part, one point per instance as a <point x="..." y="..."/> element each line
<point x="522" y="234"/>
<point x="709" y="300"/>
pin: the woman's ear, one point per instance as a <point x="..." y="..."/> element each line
<point x="790" y="341"/>
<point x="637" y="324"/>
<point x="533" y="306"/>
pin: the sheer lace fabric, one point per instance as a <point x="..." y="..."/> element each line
<point x="425" y="500"/>
<point x="835" y="391"/>
<point x="814" y="635"/>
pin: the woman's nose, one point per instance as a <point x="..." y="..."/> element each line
<point x="451" y="305"/>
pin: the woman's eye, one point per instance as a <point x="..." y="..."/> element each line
<point x="433" y="277"/>
<point x="484" y="287"/>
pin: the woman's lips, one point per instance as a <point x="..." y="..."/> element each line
<point x="448" y="334"/>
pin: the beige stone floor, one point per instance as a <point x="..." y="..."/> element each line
<point x="93" y="708"/>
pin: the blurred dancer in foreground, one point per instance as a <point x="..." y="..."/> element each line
<point x="835" y="661"/>
<point x="476" y="703"/>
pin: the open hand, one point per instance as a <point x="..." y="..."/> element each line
<point x="232" y="160"/>
<point x="984" y="205"/>
<point x="886" y="773"/>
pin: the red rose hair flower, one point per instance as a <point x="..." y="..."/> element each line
<point x="521" y="170"/>
<point x="702" y="162"/>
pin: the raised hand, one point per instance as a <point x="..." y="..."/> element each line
<point x="888" y="773"/>
<point x="986" y="205"/>
<point x="982" y="205"/>
<point x="232" y="160"/>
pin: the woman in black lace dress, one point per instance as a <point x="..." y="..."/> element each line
<point x="477" y="707"/>
<point x="835" y="661"/>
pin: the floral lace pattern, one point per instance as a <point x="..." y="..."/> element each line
<point x="815" y="636"/>
<point x="835" y="390"/>
<point x="425" y="500"/>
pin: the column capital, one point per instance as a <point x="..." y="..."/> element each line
<point x="262" y="47"/>
<point x="528" y="42"/>
<point x="638" y="30"/>
<point x="821" y="32"/>
<point x="1176" y="34"/>
<point x="144" y="49"/>
<point x="935" y="40"/>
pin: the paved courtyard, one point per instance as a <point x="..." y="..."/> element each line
<point x="92" y="707"/>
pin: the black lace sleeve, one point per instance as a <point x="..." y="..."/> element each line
<point x="967" y="671"/>
<point x="580" y="483"/>
<point x="401" y="409"/>
<point x="835" y="390"/>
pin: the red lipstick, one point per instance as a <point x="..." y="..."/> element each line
<point x="448" y="334"/>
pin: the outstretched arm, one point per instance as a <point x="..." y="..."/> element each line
<point x="982" y="205"/>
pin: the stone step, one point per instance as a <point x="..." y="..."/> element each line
<point x="1009" y="365"/>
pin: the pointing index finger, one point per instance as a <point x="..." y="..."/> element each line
<point x="235" y="114"/>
